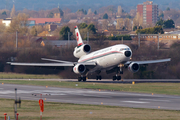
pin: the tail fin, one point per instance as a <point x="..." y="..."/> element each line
<point x="78" y="37"/>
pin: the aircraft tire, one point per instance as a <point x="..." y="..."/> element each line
<point x="100" y="77"/>
<point x="79" y="79"/>
<point x="118" y="77"/>
<point x="114" y="78"/>
<point x="84" y="79"/>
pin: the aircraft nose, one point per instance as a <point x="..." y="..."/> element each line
<point x="127" y="53"/>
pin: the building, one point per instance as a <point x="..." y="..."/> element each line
<point x="149" y="12"/>
<point x="7" y="22"/>
<point x="58" y="13"/>
<point x="42" y="21"/>
<point x="119" y="12"/>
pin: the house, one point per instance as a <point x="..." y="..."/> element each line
<point x="7" y="21"/>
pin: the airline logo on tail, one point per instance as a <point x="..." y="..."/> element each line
<point x="78" y="37"/>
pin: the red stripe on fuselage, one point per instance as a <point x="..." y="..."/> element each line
<point x="94" y="57"/>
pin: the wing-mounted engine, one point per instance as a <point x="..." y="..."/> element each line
<point x="82" y="50"/>
<point x="79" y="69"/>
<point x="133" y="67"/>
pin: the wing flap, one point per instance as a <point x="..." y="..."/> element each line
<point x="53" y="60"/>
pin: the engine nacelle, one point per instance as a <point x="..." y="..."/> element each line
<point x="79" y="69"/>
<point x="134" y="67"/>
<point x="82" y="50"/>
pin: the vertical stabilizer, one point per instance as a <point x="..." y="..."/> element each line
<point x="78" y="37"/>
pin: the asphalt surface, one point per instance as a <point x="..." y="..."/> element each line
<point x="110" y="81"/>
<point x="87" y="96"/>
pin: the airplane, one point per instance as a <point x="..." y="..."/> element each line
<point x="110" y="59"/>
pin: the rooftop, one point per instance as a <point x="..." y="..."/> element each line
<point x="45" y="20"/>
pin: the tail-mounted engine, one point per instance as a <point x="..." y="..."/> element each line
<point x="82" y="50"/>
<point x="133" y="67"/>
<point x="79" y="69"/>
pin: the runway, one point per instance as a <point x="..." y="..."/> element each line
<point x="110" y="81"/>
<point x="88" y="96"/>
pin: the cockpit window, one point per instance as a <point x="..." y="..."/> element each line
<point x="124" y="49"/>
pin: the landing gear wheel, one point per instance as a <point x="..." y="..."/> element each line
<point x="79" y="79"/>
<point x="118" y="77"/>
<point x="84" y="79"/>
<point x="114" y="78"/>
<point x="98" y="77"/>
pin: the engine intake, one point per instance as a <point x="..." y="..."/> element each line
<point x="134" y="67"/>
<point x="82" y="50"/>
<point x="79" y="69"/>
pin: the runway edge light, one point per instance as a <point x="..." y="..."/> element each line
<point x="133" y="82"/>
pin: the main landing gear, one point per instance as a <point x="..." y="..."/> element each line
<point x="82" y="79"/>
<point x="116" y="78"/>
<point x="98" y="77"/>
<point x="120" y="71"/>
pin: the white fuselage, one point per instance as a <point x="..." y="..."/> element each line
<point x="107" y="57"/>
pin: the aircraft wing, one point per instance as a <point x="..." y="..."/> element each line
<point x="53" y="60"/>
<point x="148" y="61"/>
<point x="64" y="64"/>
<point x="41" y="64"/>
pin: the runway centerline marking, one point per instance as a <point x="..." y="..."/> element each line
<point x="140" y="102"/>
<point x="155" y="100"/>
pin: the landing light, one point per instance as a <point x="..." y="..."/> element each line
<point x="121" y="65"/>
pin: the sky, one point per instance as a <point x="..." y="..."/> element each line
<point x="85" y="4"/>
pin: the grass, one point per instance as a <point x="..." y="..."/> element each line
<point x="155" y="88"/>
<point x="61" y="111"/>
<point x="26" y="76"/>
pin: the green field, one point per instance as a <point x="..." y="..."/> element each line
<point x="26" y="76"/>
<point x="155" y="88"/>
<point x="30" y="110"/>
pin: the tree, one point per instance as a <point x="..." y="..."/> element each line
<point x="4" y="13"/>
<point x="105" y="16"/>
<point x="33" y="31"/>
<point x="169" y="24"/>
<point x="161" y="15"/>
<point x="19" y="23"/>
<point x="13" y="12"/>
<point x="168" y="9"/>
<point x="138" y="20"/>
<point x="82" y="25"/>
<point x="2" y="28"/>
<point x="64" y="32"/>
<point x="51" y="15"/>
<point x="95" y="12"/>
<point x="160" y="22"/>
<point x="154" y="30"/>
<point x="85" y="12"/>
<point x="134" y="28"/>
<point x="92" y="28"/>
